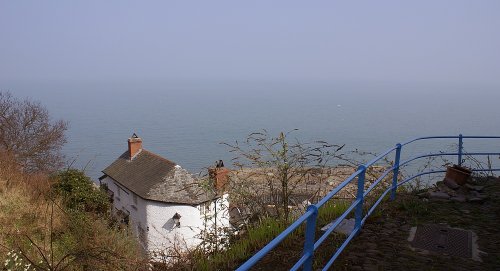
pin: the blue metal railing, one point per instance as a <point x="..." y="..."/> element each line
<point x="311" y="214"/>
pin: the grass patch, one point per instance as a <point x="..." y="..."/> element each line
<point x="260" y="234"/>
<point x="39" y="229"/>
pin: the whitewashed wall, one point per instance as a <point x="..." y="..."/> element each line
<point x="155" y="219"/>
<point x="163" y="233"/>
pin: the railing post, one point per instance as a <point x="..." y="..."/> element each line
<point x="395" y="172"/>
<point x="460" y="147"/>
<point x="310" y="237"/>
<point x="358" y="213"/>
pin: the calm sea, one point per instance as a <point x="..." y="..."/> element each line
<point x="186" y="121"/>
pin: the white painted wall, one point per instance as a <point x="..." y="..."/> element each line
<point x="155" y="218"/>
<point x="163" y="233"/>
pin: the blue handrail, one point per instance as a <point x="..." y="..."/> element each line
<point x="311" y="215"/>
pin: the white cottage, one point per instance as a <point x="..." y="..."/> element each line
<point x="161" y="202"/>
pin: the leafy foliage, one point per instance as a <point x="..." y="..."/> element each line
<point x="79" y="193"/>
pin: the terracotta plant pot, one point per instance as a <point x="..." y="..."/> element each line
<point x="458" y="174"/>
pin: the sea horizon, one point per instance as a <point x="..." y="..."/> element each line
<point x="185" y="121"/>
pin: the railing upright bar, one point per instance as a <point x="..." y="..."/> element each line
<point x="395" y="171"/>
<point x="358" y="213"/>
<point x="310" y="237"/>
<point x="460" y="148"/>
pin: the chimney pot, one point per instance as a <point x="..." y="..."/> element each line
<point x="134" y="146"/>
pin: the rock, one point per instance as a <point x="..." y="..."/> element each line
<point x="477" y="188"/>
<point x="441" y="187"/>
<point x="475" y="194"/>
<point x="371" y="245"/>
<point x="372" y="260"/>
<point x="405" y="227"/>
<point x="370" y="267"/>
<point x="356" y="256"/>
<point x="459" y="198"/>
<point x="476" y="200"/>
<point x="439" y="195"/>
<point x="445" y="189"/>
<point x="452" y="193"/>
<point x="390" y="225"/>
<point x="463" y="190"/>
<point x="345" y="227"/>
<point x="423" y="195"/>
<point x="352" y="258"/>
<point x="402" y="259"/>
<point x="451" y="183"/>
<point x="373" y="252"/>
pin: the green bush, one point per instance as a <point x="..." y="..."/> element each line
<point x="79" y="193"/>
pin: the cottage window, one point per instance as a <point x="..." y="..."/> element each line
<point x="135" y="199"/>
<point x="142" y="233"/>
<point x="118" y="194"/>
<point x="109" y="193"/>
<point x="205" y="208"/>
<point x="124" y="216"/>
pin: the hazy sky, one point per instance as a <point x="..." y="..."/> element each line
<point x="422" y="41"/>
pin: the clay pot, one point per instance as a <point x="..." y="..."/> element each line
<point x="458" y="174"/>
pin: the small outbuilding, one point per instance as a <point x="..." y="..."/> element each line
<point x="163" y="204"/>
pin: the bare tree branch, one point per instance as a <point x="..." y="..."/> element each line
<point x="27" y="131"/>
<point x="272" y="169"/>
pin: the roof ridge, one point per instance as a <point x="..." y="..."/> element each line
<point x="158" y="156"/>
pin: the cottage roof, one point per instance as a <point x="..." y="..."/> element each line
<point x="153" y="177"/>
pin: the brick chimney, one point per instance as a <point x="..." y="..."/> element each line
<point x="134" y="146"/>
<point x="220" y="175"/>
